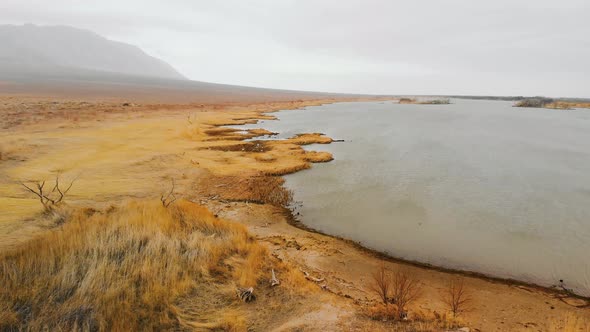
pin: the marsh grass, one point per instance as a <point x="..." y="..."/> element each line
<point x="571" y="323"/>
<point x="137" y="267"/>
<point x="242" y="146"/>
<point x="261" y="189"/>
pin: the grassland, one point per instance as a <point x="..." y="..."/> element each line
<point x="113" y="258"/>
<point x="139" y="266"/>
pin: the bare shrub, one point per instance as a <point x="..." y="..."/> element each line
<point x="169" y="198"/>
<point x="50" y="199"/>
<point x="456" y="296"/>
<point x="406" y="290"/>
<point x="381" y="283"/>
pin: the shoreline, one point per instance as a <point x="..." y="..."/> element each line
<point x="295" y="222"/>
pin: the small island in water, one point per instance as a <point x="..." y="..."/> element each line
<point x="440" y="101"/>
<point x="543" y="102"/>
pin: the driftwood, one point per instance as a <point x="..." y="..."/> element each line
<point x="273" y="280"/>
<point x="311" y="278"/>
<point x="190" y="118"/>
<point x="246" y="294"/>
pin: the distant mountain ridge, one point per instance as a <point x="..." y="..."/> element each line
<point x="46" y="48"/>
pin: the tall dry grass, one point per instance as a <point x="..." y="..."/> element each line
<point x="570" y="323"/>
<point x="134" y="268"/>
<point x="262" y="189"/>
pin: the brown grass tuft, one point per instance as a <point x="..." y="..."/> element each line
<point x="306" y="139"/>
<point x="255" y="146"/>
<point x="261" y="189"/>
<point x="318" y="156"/>
<point x="381" y="312"/>
<point x="570" y="323"/>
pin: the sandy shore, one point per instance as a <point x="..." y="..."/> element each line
<point x="133" y="151"/>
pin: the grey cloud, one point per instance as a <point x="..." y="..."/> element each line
<point x="375" y="46"/>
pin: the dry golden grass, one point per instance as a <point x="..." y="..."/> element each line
<point x="262" y="189"/>
<point x="137" y="267"/>
<point x="318" y="156"/>
<point x="381" y="312"/>
<point x="571" y="323"/>
<point x="385" y="315"/>
<point x="313" y="138"/>
<point x="567" y="105"/>
<point x="241" y="147"/>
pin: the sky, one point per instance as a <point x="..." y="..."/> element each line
<point x="463" y="47"/>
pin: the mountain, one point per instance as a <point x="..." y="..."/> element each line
<point x="61" y="48"/>
<point x="65" y="62"/>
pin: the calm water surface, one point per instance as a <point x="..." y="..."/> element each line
<point x="475" y="185"/>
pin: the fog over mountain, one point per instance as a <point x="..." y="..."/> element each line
<point x="63" y="61"/>
<point x="57" y="48"/>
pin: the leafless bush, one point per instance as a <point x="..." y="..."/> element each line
<point x="169" y="198"/>
<point x="399" y="289"/>
<point x="406" y="290"/>
<point x="456" y="296"/>
<point x="50" y="199"/>
<point x="381" y="283"/>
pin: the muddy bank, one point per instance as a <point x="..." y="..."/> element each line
<point x="561" y="303"/>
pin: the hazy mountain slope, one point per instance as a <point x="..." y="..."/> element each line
<point x="65" y="82"/>
<point x="46" y="47"/>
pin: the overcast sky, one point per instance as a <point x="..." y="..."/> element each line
<point x="491" y="47"/>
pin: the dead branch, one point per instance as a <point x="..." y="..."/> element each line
<point x="169" y="198"/>
<point x="189" y="118"/>
<point x="273" y="280"/>
<point x="311" y="278"/>
<point x="54" y="197"/>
